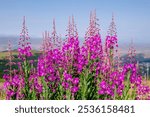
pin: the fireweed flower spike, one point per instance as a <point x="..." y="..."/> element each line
<point x="24" y="44"/>
<point x="54" y="37"/>
<point x="24" y="53"/>
<point x="12" y="81"/>
<point x="131" y="53"/>
<point x="50" y="65"/>
<point x="70" y="56"/>
<point x="91" y="54"/>
<point x="47" y="44"/>
<point x="111" y="42"/>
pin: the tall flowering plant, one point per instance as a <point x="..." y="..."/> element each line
<point x="70" y="58"/>
<point x="49" y="66"/>
<point x="24" y="52"/>
<point x="90" y="59"/>
<point x="12" y="81"/>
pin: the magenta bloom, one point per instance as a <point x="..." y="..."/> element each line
<point x="74" y="89"/>
<point x="101" y="92"/>
<point x="103" y="85"/>
<point x="65" y="85"/>
<point x="75" y="81"/>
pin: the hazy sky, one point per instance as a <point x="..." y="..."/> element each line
<point x="131" y="16"/>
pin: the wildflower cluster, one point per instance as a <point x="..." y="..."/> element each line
<point x="67" y="71"/>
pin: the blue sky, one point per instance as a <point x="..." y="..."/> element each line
<point x="132" y="17"/>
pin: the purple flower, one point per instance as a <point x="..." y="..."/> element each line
<point x="101" y="92"/>
<point x="65" y="85"/>
<point x="10" y="93"/>
<point x="74" y="89"/>
<point x="39" y="88"/>
<point x="75" y="81"/>
<point x="6" y="84"/>
<point x="103" y="85"/>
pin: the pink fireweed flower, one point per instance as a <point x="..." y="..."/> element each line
<point x="74" y="89"/>
<point x="24" y="48"/>
<point x="103" y="85"/>
<point x="101" y="92"/>
<point x="67" y="77"/>
<point x="65" y="85"/>
<point x="75" y="81"/>
<point x="111" y="43"/>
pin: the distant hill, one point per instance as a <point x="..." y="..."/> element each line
<point x="140" y="46"/>
<point x="35" y="42"/>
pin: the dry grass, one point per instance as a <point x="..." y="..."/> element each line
<point x="2" y="92"/>
<point x="1" y="84"/>
<point x="4" y="54"/>
<point x="146" y="82"/>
